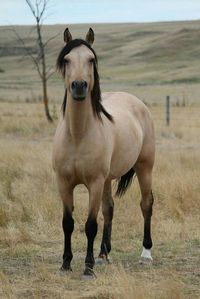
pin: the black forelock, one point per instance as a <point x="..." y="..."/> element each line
<point x="67" y="49"/>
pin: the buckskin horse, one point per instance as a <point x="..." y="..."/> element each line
<point x="99" y="138"/>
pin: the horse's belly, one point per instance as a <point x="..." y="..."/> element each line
<point x="127" y="149"/>
<point x="122" y="162"/>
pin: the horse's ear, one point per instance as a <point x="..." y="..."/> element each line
<point x="90" y="37"/>
<point x="67" y="36"/>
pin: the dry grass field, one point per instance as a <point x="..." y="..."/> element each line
<point x="31" y="238"/>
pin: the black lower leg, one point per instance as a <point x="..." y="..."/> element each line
<point x="106" y="239"/>
<point x="68" y="227"/>
<point x="147" y="241"/>
<point x="91" y="231"/>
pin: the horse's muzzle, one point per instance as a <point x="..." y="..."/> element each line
<point x="79" y="90"/>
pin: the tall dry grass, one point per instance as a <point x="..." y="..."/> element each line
<point x="31" y="238"/>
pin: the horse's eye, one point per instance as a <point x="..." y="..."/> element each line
<point x="92" y="60"/>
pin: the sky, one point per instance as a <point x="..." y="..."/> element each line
<point x="101" y="11"/>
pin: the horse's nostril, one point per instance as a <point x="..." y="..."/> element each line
<point x="85" y="84"/>
<point x="73" y="84"/>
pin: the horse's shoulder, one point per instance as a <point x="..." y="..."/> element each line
<point x="107" y="95"/>
<point x="119" y="96"/>
<point x="122" y="100"/>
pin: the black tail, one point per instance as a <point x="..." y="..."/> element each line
<point x="124" y="182"/>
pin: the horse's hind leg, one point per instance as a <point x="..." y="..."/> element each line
<point x="144" y="173"/>
<point x="107" y="210"/>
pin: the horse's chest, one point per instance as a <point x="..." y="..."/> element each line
<point x="78" y="166"/>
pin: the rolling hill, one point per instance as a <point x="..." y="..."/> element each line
<point x="130" y="56"/>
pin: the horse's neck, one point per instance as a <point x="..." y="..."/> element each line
<point x="79" y="117"/>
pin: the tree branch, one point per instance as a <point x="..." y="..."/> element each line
<point x="50" y="74"/>
<point x="43" y="8"/>
<point x="31" y="8"/>
<point x="34" y="60"/>
<point x="51" y="38"/>
<point x="37" y="8"/>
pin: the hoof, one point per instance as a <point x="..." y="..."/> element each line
<point x="88" y="274"/>
<point x="146" y="257"/>
<point x="145" y="261"/>
<point x="65" y="270"/>
<point x="102" y="260"/>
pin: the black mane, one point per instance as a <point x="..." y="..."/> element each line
<point x="96" y="92"/>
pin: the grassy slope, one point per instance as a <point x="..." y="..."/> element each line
<point x="131" y="56"/>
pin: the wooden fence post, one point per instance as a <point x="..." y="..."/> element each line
<point x="167" y="110"/>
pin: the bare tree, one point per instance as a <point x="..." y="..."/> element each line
<point x="38" y="9"/>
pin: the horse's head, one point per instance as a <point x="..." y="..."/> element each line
<point x="77" y="61"/>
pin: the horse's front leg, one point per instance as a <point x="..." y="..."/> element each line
<point x="95" y="197"/>
<point x="107" y="210"/>
<point x="67" y="222"/>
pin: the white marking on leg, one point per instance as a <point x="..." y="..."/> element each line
<point x="146" y="254"/>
